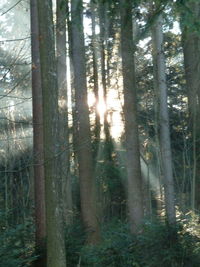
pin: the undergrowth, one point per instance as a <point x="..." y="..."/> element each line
<point x="153" y="247"/>
<point x="16" y="246"/>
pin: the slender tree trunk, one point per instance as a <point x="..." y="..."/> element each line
<point x="104" y="20"/>
<point x="55" y="235"/>
<point x="84" y="148"/>
<point x="104" y="78"/>
<point x="74" y="119"/>
<point x="165" y="143"/>
<point x="97" y="129"/>
<point x="135" y="198"/>
<point x="63" y="109"/>
<point x="158" y="193"/>
<point x="39" y="183"/>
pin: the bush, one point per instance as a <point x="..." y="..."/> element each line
<point x="75" y="238"/>
<point x="16" y="246"/>
<point x="153" y="247"/>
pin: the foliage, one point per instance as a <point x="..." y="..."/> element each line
<point x="74" y="242"/>
<point x="151" y="247"/>
<point x="189" y="19"/>
<point x="16" y="246"/>
<point x="118" y="248"/>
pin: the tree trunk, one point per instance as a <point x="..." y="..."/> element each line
<point x="135" y="198"/>
<point x="55" y="235"/>
<point x="39" y="183"/>
<point x="191" y="50"/>
<point x="63" y="110"/>
<point x="159" y="184"/>
<point x="84" y="148"/>
<point x="165" y="143"/>
<point x="97" y="129"/>
<point x="103" y="23"/>
<point x="108" y="142"/>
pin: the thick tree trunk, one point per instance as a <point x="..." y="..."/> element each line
<point x="63" y="110"/>
<point x="55" y="235"/>
<point x="191" y="50"/>
<point x="135" y="198"/>
<point x="39" y="183"/>
<point x="165" y="143"/>
<point x="84" y="147"/>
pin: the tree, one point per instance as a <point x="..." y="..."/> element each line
<point x="191" y="50"/>
<point x="165" y="143"/>
<point x="94" y="44"/>
<point x="84" y="148"/>
<point x="135" y="198"/>
<point x="64" y="159"/>
<point x="104" y="34"/>
<point x="55" y="237"/>
<point x="39" y="183"/>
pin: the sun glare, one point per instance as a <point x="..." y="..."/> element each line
<point x="114" y="110"/>
<point x="101" y="108"/>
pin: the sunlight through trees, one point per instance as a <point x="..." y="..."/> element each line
<point x="99" y="133"/>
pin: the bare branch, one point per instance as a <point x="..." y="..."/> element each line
<point x="10" y="8"/>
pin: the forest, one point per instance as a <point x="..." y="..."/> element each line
<point x="100" y="133"/>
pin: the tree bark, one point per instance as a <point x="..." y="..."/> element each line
<point x="55" y="235"/>
<point x="39" y="183"/>
<point x="135" y="198"/>
<point x="165" y="142"/>
<point x="94" y="42"/>
<point x="103" y="23"/>
<point x="64" y="159"/>
<point x="191" y="50"/>
<point x="84" y="148"/>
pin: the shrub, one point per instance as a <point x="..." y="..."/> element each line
<point x="16" y="246"/>
<point x="75" y="238"/>
<point x="153" y="247"/>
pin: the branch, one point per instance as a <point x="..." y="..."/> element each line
<point x="11" y="8"/>
<point x="15" y="40"/>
